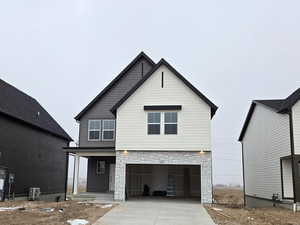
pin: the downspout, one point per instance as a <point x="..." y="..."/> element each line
<point x="293" y="158"/>
<point x="67" y="173"/>
<point x="244" y="188"/>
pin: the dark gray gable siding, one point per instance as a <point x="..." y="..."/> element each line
<point x="101" y="109"/>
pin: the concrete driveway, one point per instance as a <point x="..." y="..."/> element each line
<point x="157" y="212"/>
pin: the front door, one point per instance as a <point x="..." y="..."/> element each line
<point x="112" y="177"/>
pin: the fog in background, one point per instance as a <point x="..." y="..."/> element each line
<point x="63" y="53"/>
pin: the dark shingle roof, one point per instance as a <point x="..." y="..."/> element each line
<point x="185" y="81"/>
<point x="278" y="105"/>
<point x="16" y="104"/>
<point x="273" y="103"/>
<point x="114" y="81"/>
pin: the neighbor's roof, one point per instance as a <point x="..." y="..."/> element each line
<point x="18" y="105"/>
<point x="277" y="105"/>
<point x="140" y="56"/>
<point x="186" y="82"/>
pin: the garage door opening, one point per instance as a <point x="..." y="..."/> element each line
<point x="170" y="181"/>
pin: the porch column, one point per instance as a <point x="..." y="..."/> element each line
<point x="76" y="174"/>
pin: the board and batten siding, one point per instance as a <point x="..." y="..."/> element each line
<point x="101" y="109"/>
<point x="194" y="120"/>
<point x="296" y="126"/>
<point x="266" y="140"/>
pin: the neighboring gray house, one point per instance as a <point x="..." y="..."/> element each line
<point x="31" y="145"/>
<point x="271" y="151"/>
<point x="151" y="127"/>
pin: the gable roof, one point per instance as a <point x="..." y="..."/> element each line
<point x="140" y="56"/>
<point x="186" y="82"/>
<point x="18" y="105"/>
<point x="277" y="105"/>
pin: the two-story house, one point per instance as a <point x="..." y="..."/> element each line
<point x="147" y="133"/>
<point x="271" y="152"/>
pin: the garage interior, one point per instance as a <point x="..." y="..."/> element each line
<point x="170" y="181"/>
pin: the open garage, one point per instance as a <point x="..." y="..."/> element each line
<point x="173" y="181"/>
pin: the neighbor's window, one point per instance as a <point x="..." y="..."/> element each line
<point x="108" y="130"/>
<point x="170" y="122"/>
<point x="94" y="130"/>
<point x="153" y="122"/>
<point x="100" y="167"/>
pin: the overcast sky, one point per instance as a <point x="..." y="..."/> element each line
<point x="64" y="52"/>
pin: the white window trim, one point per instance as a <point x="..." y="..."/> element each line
<point x="170" y="122"/>
<point x="160" y="123"/>
<point x="103" y="129"/>
<point x="89" y="121"/>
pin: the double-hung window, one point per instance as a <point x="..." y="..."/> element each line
<point x="170" y="122"/>
<point x="108" y="130"/>
<point x="94" y="130"/>
<point x="153" y="122"/>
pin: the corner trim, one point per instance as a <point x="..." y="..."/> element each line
<point x="244" y="187"/>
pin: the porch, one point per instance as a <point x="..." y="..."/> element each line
<point x="100" y="176"/>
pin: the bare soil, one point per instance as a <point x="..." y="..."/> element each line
<point x="36" y="214"/>
<point x="230" y="201"/>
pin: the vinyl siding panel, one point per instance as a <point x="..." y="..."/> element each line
<point x="194" y="120"/>
<point x="296" y="126"/>
<point x="35" y="157"/>
<point x="101" y="110"/>
<point x="266" y="140"/>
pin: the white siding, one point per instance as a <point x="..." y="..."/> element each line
<point x="296" y="126"/>
<point x="194" y="122"/>
<point x="266" y="140"/>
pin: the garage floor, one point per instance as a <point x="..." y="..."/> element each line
<point x="157" y="212"/>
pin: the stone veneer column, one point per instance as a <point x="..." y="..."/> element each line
<point x="120" y="176"/>
<point x="206" y="181"/>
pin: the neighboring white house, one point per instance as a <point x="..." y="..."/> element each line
<point x="160" y="137"/>
<point x="271" y="151"/>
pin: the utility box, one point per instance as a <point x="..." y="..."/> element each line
<point x="34" y="193"/>
<point x="3" y="176"/>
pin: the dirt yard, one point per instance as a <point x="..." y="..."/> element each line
<point x="229" y="211"/>
<point x="40" y="213"/>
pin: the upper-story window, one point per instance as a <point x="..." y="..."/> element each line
<point x="153" y="122"/>
<point x="108" y="130"/>
<point x="170" y="122"/>
<point x="94" y="130"/>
